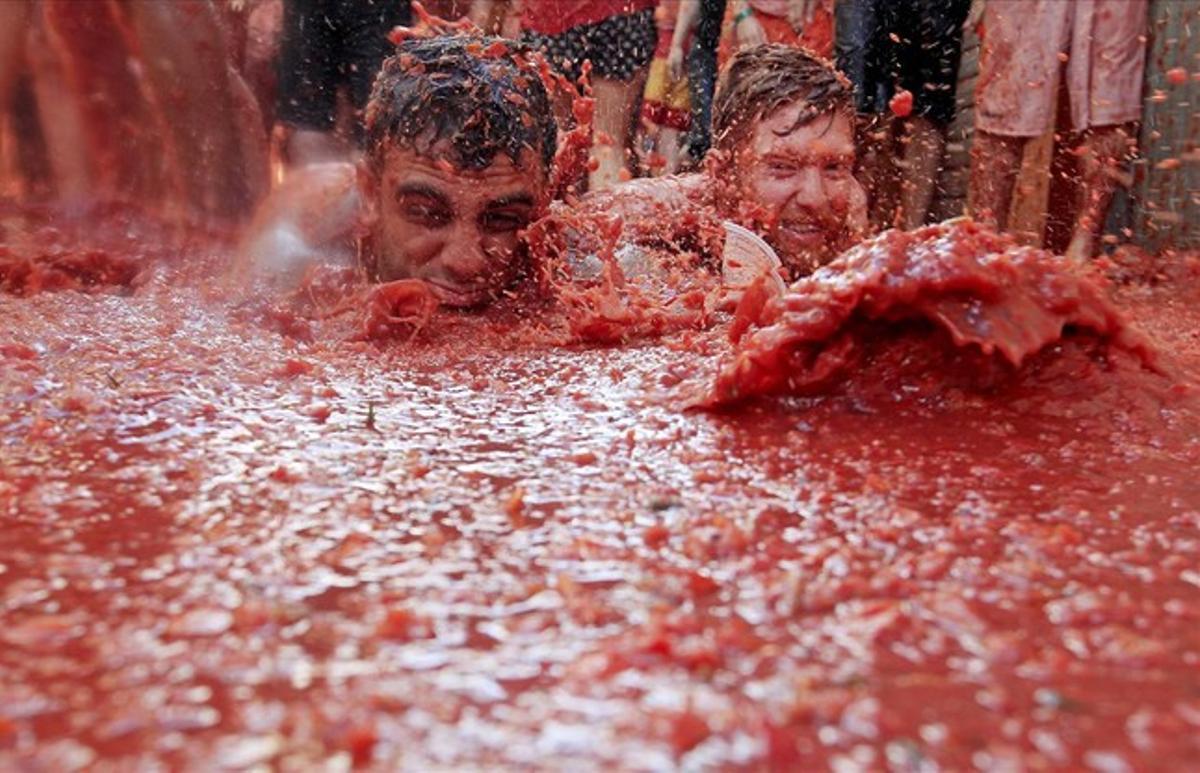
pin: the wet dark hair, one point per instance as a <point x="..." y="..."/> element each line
<point x="762" y="79"/>
<point x="480" y="96"/>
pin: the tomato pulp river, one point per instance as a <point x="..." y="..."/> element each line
<point x="224" y="546"/>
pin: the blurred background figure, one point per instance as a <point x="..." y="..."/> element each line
<point x="701" y="64"/>
<point x="805" y="23"/>
<point x="20" y="173"/>
<point x="139" y="101"/>
<point x="666" y="104"/>
<point x="329" y="55"/>
<point x="903" y="57"/>
<point x="1073" y="66"/>
<point x="258" y="50"/>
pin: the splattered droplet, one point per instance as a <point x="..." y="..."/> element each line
<point x="902" y="104"/>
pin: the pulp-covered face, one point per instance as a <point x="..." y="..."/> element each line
<point x="455" y="229"/>
<point x="800" y="186"/>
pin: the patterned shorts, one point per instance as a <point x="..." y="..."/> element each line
<point x="618" y="47"/>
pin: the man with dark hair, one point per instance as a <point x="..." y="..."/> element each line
<point x="782" y="164"/>
<point x="460" y="139"/>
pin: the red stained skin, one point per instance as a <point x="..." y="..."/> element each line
<point x="227" y="546"/>
<point x="794" y="185"/>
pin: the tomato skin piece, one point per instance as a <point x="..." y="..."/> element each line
<point x="688" y="729"/>
<point x="360" y="741"/>
<point x="656" y="536"/>
<point x="584" y="110"/>
<point x="293" y="367"/>
<point x="901" y="104"/>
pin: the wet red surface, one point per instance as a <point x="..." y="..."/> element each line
<point x="974" y="290"/>
<point x="226" y="546"/>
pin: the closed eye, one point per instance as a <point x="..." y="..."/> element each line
<point x="504" y="221"/>
<point x="430" y="216"/>
<point x="424" y="205"/>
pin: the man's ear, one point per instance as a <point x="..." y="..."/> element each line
<point x="368" y="188"/>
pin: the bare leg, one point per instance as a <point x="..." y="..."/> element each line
<point x="668" y="147"/>
<point x="1104" y="148"/>
<point x="1062" y="193"/>
<point x="61" y="122"/>
<point x="995" y="163"/>
<point x="487" y="15"/>
<point x="615" y="101"/>
<point x="922" y="160"/>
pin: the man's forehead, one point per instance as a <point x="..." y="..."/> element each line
<point x="404" y="164"/>
<point x="829" y="133"/>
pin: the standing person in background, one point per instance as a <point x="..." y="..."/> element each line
<point x="133" y="101"/>
<point x="701" y="64"/>
<point x="804" y="23"/>
<point x="618" y="37"/>
<point x="329" y="48"/>
<point x="903" y="57"/>
<point x="260" y="54"/>
<point x="1096" y="49"/>
<point x="666" y="107"/>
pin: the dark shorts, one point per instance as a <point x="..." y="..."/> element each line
<point x="885" y="45"/>
<point x="328" y="45"/>
<point x="618" y="47"/>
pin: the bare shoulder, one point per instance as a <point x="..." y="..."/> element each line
<point x="311" y="218"/>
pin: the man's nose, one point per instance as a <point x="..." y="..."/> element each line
<point x="465" y="257"/>
<point x="808" y="187"/>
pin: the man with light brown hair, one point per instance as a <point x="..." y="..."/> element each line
<point x="782" y="164"/>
